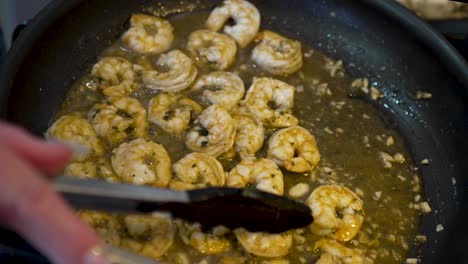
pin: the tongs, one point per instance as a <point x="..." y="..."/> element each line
<point x="248" y="208"/>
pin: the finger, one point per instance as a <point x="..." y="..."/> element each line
<point x="46" y="157"/>
<point x="31" y="207"/>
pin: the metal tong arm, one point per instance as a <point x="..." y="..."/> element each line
<point x="105" y="196"/>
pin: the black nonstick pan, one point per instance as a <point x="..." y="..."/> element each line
<point x="378" y="39"/>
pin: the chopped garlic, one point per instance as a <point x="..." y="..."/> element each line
<point x="425" y="161"/>
<point x="390" y="141"/>
<point x="423" y="95"/>
<point x="421" y="238"/>
<point x="412" y="261"/>
<point x="439" y="228"/>
<point x="398" y="157"/>
<point x="377" y="195"/>
<point x="299" y="190"/>
<point x="375" y="93"/>
<point x="425" y="208"/>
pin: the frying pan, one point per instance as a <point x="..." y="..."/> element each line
<point x="377" y="39"/>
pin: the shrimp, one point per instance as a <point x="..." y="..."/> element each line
<point x="337" y="211"/>
<point x="116" y="75"/>
<point x="271" y="101"/>
<point x="107" y="226"/>
<point x="294" y="148"/>
<point x="100" y="169"/>
<point x="267" y="177"/>
<point x="213" y="49"/>
<point x="172" y="113"/>
<point x="211" y="243"/>
<point x="197" y="170"/>
<point x="229" y="88"/>
<point x="276" y="54"/>
<point x="179" y="73"/>
<point x="250" y="134"/>
<point x="119" y="118"/>
<point x="335" y="253"/>
<point x="142" y="162"/>
<point x="151" y="236"/>
<point x="245" y="15"/>
<point x="148" y="34"/>
<point x="213" y="132"/>
<point x="85" y="170"/>
<point x="76" y="131"/>
<point x="264" y="173"/>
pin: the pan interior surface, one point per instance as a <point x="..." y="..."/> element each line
<point x="369" y="43"/>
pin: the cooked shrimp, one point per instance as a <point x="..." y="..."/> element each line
<point x="263" y="244"/>
<point x="150" y="236"/>
<point x="85" y="170"/>
<point x="180" y="72"/>
<point x="276" y="54"/>
<point x="267" y="177"/>
<point x="337" y="211"/>
<point x="335" y="253"/>
<point x="271" y="101"/>
<point x="148" y="34"/>
<point x="116" y="75"/>
<point x="77" y="131"/>
<point x="172" y="113"/>
<point x="229" y="88"/>
<point x="213" y="49"/>
<point x="213" y="132"/>
<point x="294" y="148"/>
<point x="107" y="226"/>
<point x="197" y="170"/>
<point x="245" y="15"/>
<point x="142" y="162"/>
<point x="210" y="243"/>
<point x="250" y="134"/>
<point x="100" y="169"/>
<point x="263" y="173"/>
<point x="119" y="118"/>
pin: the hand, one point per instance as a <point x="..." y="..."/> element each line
<point x="30" y="206"/>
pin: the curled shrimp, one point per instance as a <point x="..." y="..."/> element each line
<point x="91" y="169"/>
<point x="335" y="253"/>
<point x="142" y="162"/>
<point x="211" y="48"/>
<point x="271" y="101"/>
<point x="213" y="132"/>
<point x="294" y="148"/>
<point x="172" y="113"/>
<point x="151" y="236"/>
<point x="276" y="54"/>
<point x="148" y="34"/>
<point x="214" y="242"/>
<point x="116" y="75"/>
<point x="119" y="118"/>
<point x="250" y="134"/>
<point x="79" y="132"/>
<point x="107" y="226"/>
<point x="245" y="15"/>
<point x="337" y="211"/>
<point x="197" y="170"/>
<point x="179" y="72"/>
<point x="267" y="177"/>
<point x="229" y="88"/>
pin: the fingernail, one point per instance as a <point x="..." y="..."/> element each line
<point x="96" y="256"/>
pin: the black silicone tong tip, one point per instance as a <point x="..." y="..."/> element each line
<point x="249" y="208"/>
